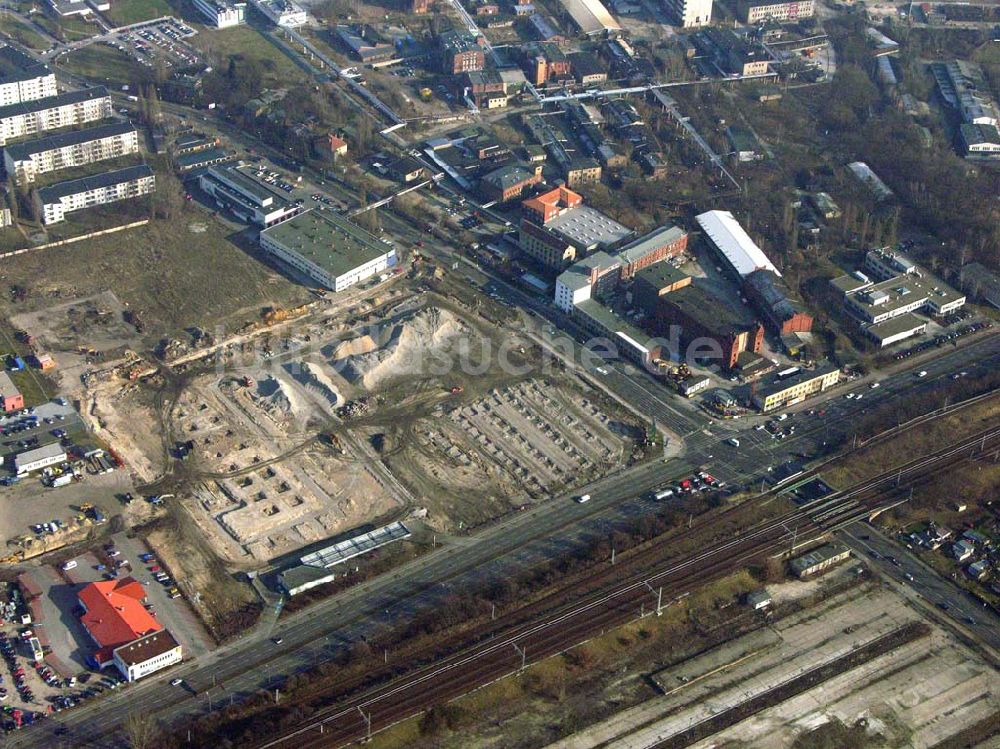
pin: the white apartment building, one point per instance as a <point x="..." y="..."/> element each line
<point x="756" y="11"/>
<point x="222" y="13"/>
<point x="56" y="201"/>
<point x="147" y="655"/>
<point x="23" y="79"/>
<point x="690" y="13"/>
<point x="25" y="161"/>
<point x="282" y="12"/>
<point x="64" y="110"/>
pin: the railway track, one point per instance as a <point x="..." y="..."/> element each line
<point x="510" y="650"/>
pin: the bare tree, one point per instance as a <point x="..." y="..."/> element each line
<point x="140" y="731"/>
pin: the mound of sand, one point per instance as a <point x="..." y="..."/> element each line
<point x="356" y="346"/>
<point x="312" y="376"/>
<point x="403" y="349"/>
<point x="277" y="399"/>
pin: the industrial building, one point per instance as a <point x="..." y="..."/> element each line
<point x="366" y="43"/>
<point x="819" y="559"/>
<point x="55" y="201"/>
<point x="691" y="13"/>
<point x="651" y="283"/>
<point x="564" y="221"/>
<point x="39" y="458"/>
<point x="591" y="17"/>
<point x="964" y="88"/>
<point x="127" y="635"/>
<point x="459" y="52"/>
<point x="66" y="8"/>
<point x="63" y="110"/>
<point x="11" y="398"/>
<point x="222" y="13"/>
<point x="592" y="277"/>
<point x="793" y="385"/>
<point x="774" y="303"/>
<point x="253" y="201"/>
<point x="756" y="11"/>
<point x="979" y="141"/>
<point x="739" y="254"/>
<point x="734" y="54"/>
<point x="701" y="320"/>
<point x="283" y="13"/>
<point x="23" y="79"/>
<point x="24" y="161"/>
<point x="864" y="174"/>
<point x="509" y="182"/>
<point x="332" y="251"/>
<point x="660" y="244"/>
<point x="319" y="566"/>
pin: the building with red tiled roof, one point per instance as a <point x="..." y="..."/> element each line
<point x="114" y="615"/>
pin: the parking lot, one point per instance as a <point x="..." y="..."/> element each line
<point x="30" y="427"/>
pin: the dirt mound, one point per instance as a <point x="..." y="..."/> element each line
<point x="277" y="399"/>
<point x="312" y="376"/>
<point x="404" y="349"/>
<point x="355" y="347"/>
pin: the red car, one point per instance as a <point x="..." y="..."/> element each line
<point x="155" y="568"/>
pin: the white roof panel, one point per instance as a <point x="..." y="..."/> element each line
<point x="733" y="242"/>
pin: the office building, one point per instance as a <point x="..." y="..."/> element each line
<point x="222" y="13"/>
<point x="236" y="190"/>
<point x="24" y="161"/>
<point x="332" y="251"/>
<point x="282" y="12"/>
<point x="690" y="13"/>
<point x="792" y="386"/>
<point x="63" y="110"/>
<point x="55" y="201"/>
<point x="23" y="79"/>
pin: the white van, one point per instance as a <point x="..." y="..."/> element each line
<point x="70" y="565"/>
<point x="733" y="441"/>
<point x="583" y="498"/>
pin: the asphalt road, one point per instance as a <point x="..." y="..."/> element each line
<point x="909" y="571"/>
<point x="318" y="633"/>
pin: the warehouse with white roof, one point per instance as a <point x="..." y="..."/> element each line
<point x="738" y="252"/>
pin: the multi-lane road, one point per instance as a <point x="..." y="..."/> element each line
<point x="319" y="633"/>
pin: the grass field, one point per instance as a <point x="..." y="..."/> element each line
<point x="73" y="27"/>
<point x="102" y="64"/>
<point x="279" y="71"/>
<point x="24" y="34"/>
<point x="175" y="274"/>
<point x="126" y="12"/>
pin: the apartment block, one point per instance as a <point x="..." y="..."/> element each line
<point x="23" y="79"/>
<point x="55" y="201"/>
<point x="24" y="161"/>
<point x="64" y="110"/>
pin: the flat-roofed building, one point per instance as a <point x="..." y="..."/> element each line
<point x="55" y="201"/>
<point x="894" y="329"/>
<point x="819" y="559"/>
<point x="331" y="250"/>
<point x="24" y="161"/>
<point x="73" y="108"/>
<point x="649" y="249"/>
<point x="901" y="295"/>
<point x="591" y="17"/>
<point x="590" y="278"/>
<point x="773" y="301"/>
<point x="66" y="8"/>
<point x="235" y="190"/>
<point x="786" y="390"/>
<point x="39" y="458"/>
<point x="22" y="78"/>
<point x="222" y="13"/>
<point x="283" y="13"/>
<point x="653" y="282"/>
<point x="755" y="11"/>
<point x="701" y="320"/>
<point x="691" y="13"/>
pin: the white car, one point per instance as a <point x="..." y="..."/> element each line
<point x="583" y="498"/>
<point x="875" y="385"/>
<point x="922" y="373"/>
<point x="176" y="682"/>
